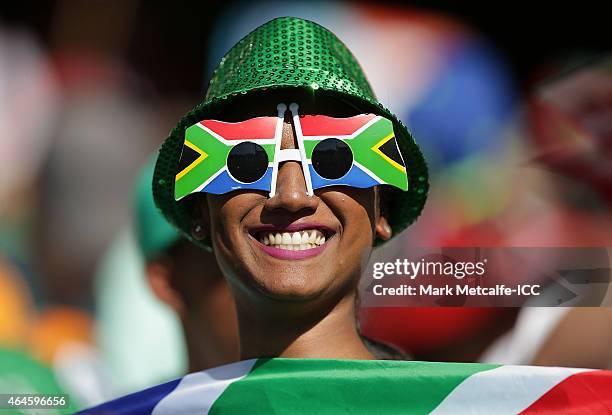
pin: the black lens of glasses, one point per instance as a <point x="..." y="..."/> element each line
<point x="247" y="162"/>
<point x="332" y="158"/>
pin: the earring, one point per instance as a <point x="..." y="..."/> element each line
<point x="198" y="231"/>
<point x="387" y="228"/>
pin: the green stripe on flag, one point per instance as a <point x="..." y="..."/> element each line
<point x="309" y="145"/>
<point x="367" y="157"/>
<point x="321" y="386"/>
<point x="216" y="156"/>
<point x="361" y="146"/>
<point x="269" y="148"/>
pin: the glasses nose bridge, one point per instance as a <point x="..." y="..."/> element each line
<point x="291" y="177"/>
<point x="290" y="152"/>
<point x="291" y="190"/>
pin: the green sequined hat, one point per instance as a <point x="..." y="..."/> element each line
<point x="290" y="53"/>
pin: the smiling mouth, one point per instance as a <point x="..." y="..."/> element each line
<point x="293" y="241"/>
<point x="298" y="240"/>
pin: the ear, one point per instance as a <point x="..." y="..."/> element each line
<point x="161" y="279"/>
<point x="200" y="228"/>
<point x="383" y="230"/>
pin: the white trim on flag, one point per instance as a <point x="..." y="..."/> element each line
<point x="369" y="172"/>
<point x="503" y="390"/>
<point x="197" y="392"/>
<point x="278" y="137"/>
<point x="293" y="107"/>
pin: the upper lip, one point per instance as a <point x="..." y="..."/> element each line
<point x="293" y="227"/>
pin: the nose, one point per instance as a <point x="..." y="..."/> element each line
<point x="291" y="194"/>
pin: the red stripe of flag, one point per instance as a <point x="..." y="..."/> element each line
<point x="582" y="393"/>
<point x="255" y="128"/>
<point x="323" y="125"/>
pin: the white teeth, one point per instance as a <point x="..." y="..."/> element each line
<point x="294" y="241"/>
<point x="296" y="238"/>
<point x="286" y="238"/>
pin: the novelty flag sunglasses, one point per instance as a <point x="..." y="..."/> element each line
<point x="220" y="157"/>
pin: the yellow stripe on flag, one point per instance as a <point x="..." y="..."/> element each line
<point x="376" y="149"/>
<point x="197" y="161"/>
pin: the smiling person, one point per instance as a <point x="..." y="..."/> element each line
<point x="291" y="171"/>
<point x="286" y="186"/>
<point x="293" y="259"/>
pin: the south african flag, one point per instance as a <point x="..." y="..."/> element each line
<point x="203" y="163"/>
<point x="377" y="158"/>
<point x="321" y="386"/>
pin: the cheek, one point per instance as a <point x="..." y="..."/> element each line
<point x="359" y="223"/>
<point x="355" y="208"/>
<point x="216" y="217"/>
<point x="356" y="240"/>
<point x="224" y="226"/>
<point x="226" y="212"/>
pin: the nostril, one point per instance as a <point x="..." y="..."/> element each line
<point x="292" y="200"/>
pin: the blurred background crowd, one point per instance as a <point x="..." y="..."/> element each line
<point x="512" y="108"/>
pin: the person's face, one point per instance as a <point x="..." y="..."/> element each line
<point x="292" y="246"/>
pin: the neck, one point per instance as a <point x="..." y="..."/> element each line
<point x="331" y="334"/>
<point x="206" y="349"/>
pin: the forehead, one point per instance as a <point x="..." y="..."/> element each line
<point x="263" y="103"/>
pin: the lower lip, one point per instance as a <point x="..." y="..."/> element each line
<point x="287" y="254"/>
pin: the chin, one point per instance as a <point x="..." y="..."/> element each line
<point x="291" y="286"/>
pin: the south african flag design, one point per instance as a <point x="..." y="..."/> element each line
<point x="203" y="163"/>
<point x="377" y="158"/>
<point x="365" y="387"/>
